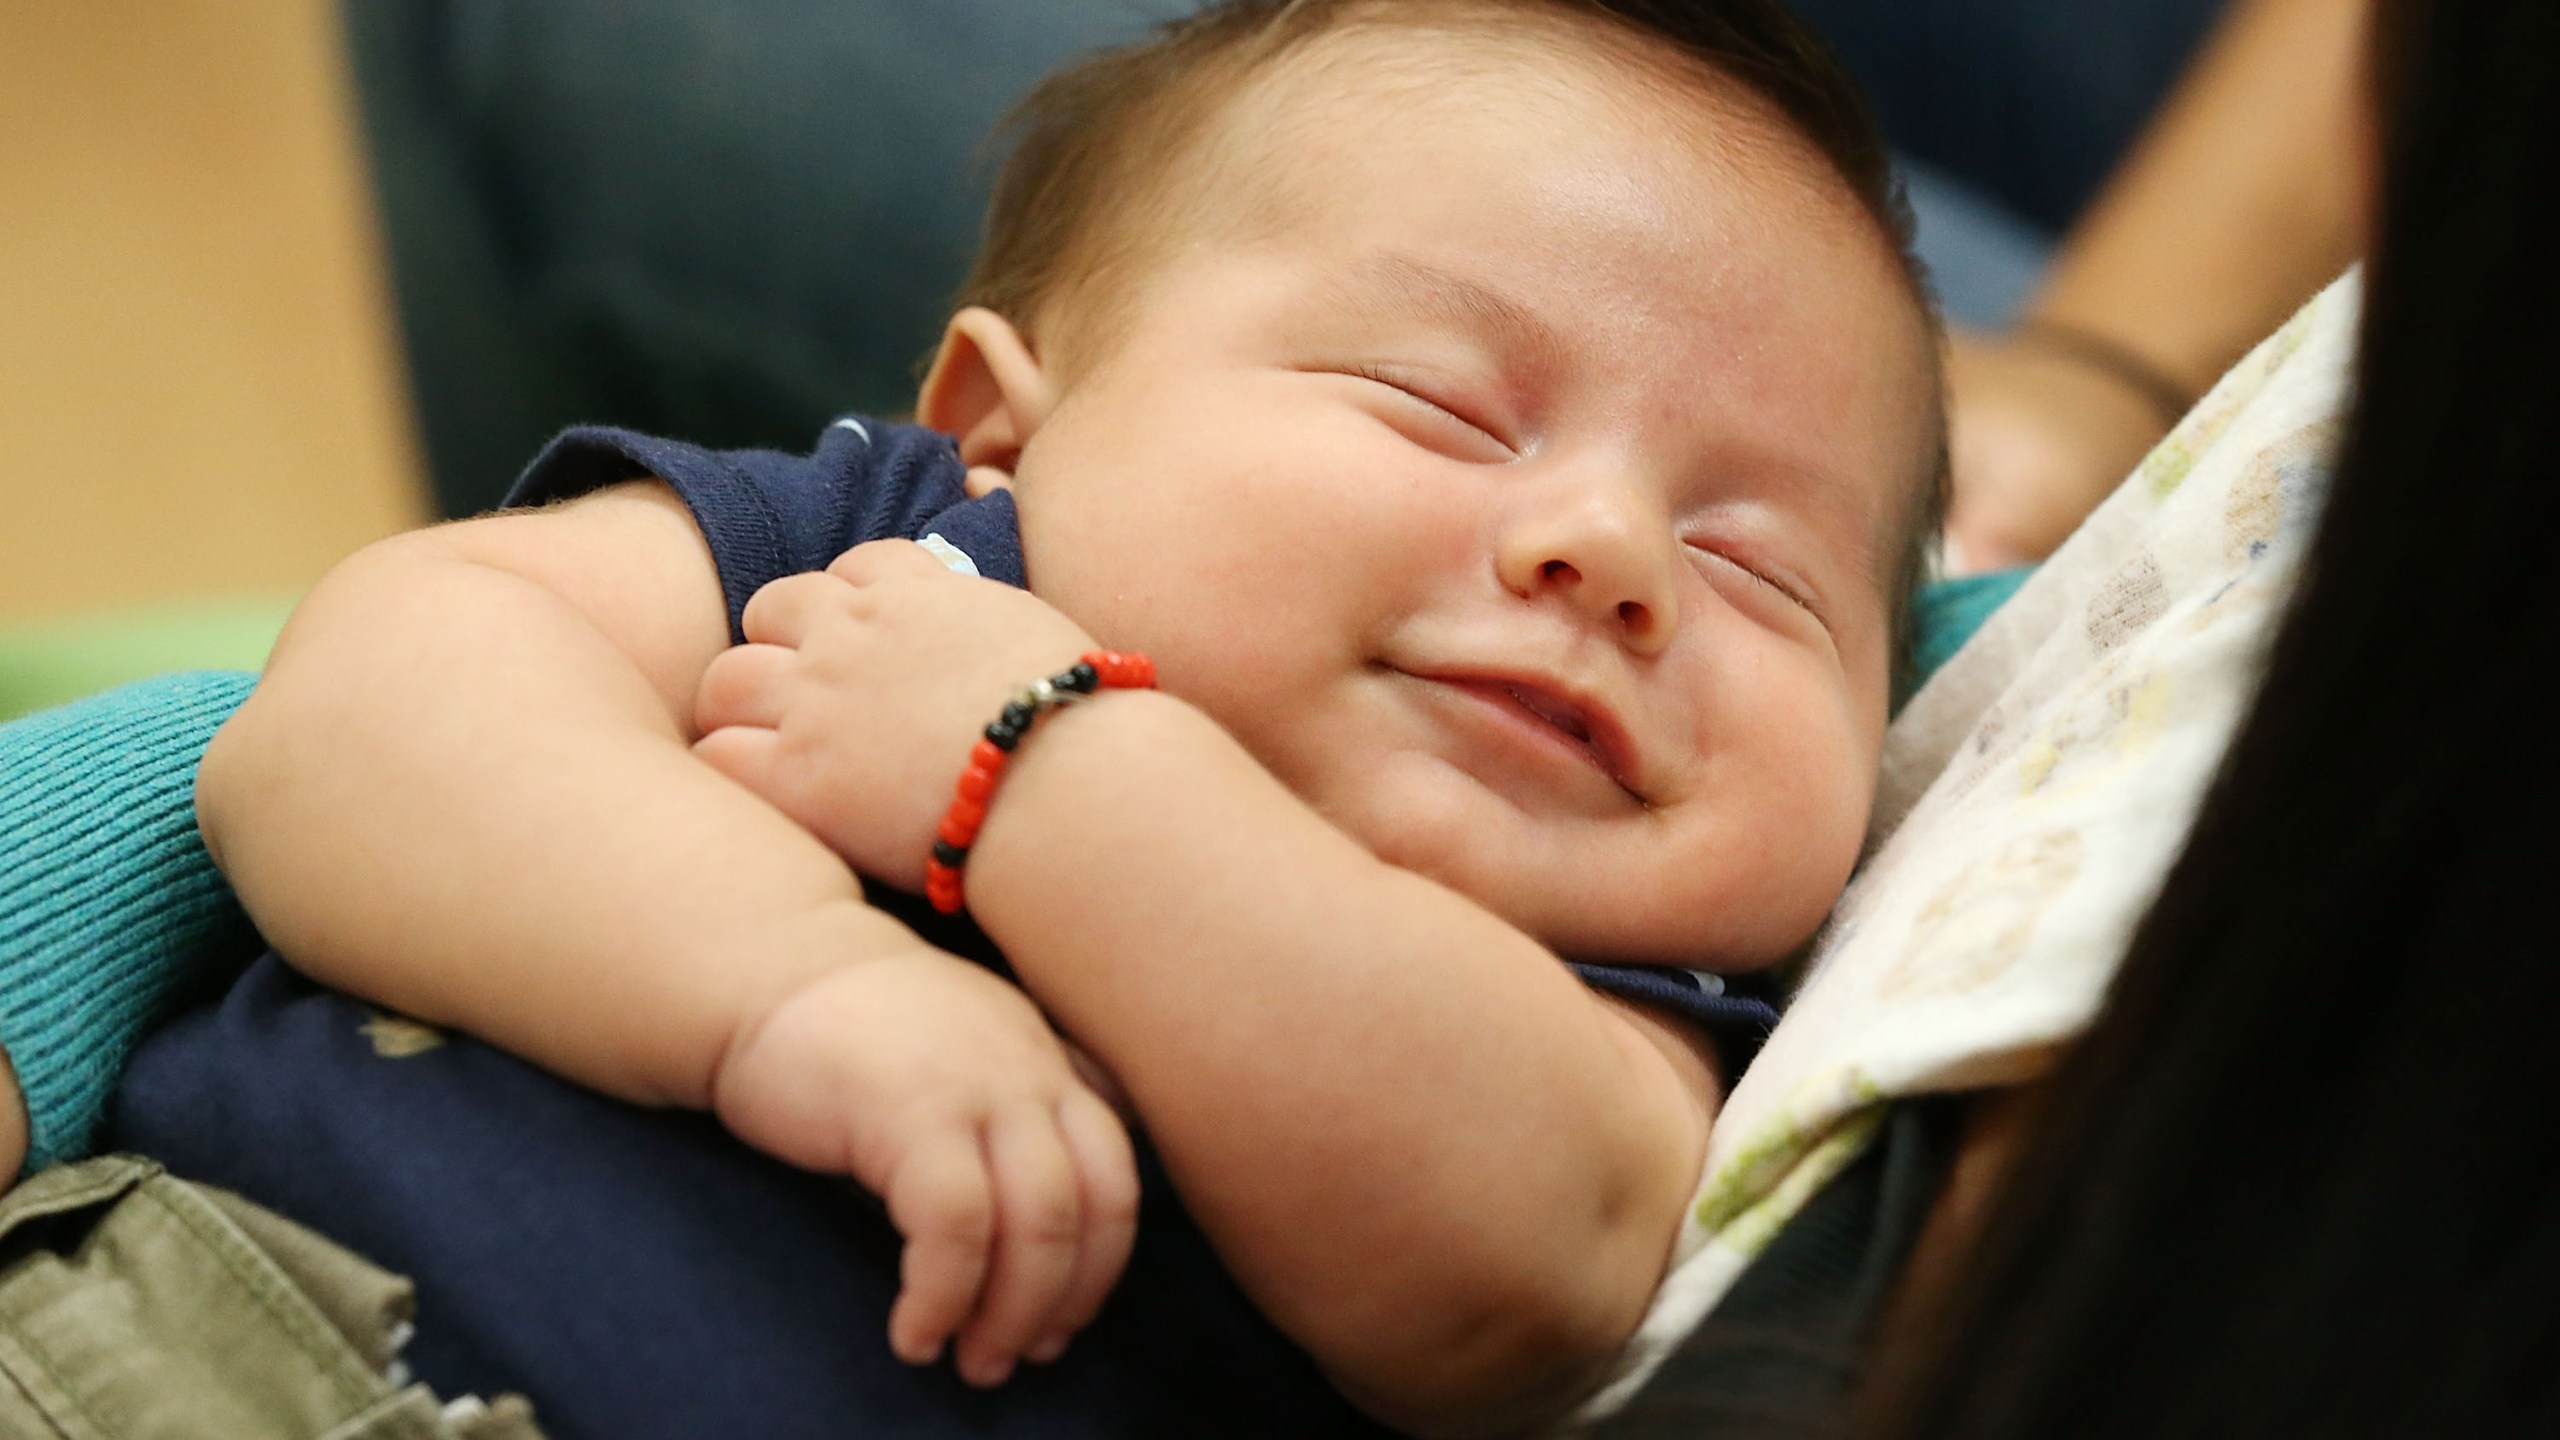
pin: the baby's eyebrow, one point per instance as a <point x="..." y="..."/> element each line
<point x="1402" y="283"/>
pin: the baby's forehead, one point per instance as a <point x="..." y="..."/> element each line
<point x="1273" y="150"/>
<point x="1291" y="135"/>
<point x="1260" y="133"/>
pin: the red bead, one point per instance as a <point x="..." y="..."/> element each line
<point x="977" y="784"/>
<point x="960" y="823"/>
<point x="1123" y="672"/>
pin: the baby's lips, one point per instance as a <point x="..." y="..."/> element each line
<point x="1583" y="721"/>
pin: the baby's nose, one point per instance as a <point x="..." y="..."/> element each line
<point x="1603" y="559"/>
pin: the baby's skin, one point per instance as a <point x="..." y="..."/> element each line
<point x="1507" y="496"/>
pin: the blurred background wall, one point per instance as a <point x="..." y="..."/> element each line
<point x="200" y="399"/>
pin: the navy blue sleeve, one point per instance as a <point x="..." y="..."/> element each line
<point x="767" y="514"/>
<point x="1735" y="1013"/>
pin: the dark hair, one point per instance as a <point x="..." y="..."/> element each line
<point x="2297" y="1179"/>
<point x="1093" y="138"/>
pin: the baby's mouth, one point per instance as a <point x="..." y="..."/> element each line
<point x="1592" y="732"/>
<point x="1558" y="713"/>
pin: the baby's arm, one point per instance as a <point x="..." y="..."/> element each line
<point x="464" y="789"/>
<point x="468" y="745"/>
<point x="1430" y="1154"/>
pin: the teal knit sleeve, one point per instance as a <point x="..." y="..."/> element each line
<point x="108" y="901"/>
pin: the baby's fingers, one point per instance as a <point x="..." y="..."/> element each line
<point x="782" y="612"/>
<point x="745" y="685"/>
<point x="1107" y="1174"/>
<point x="745" y="753"/>
<point x="1039" y="1222"/>
<point x="941" y="1203"/>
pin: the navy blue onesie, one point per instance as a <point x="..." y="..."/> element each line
<point x="637" y="1273"/>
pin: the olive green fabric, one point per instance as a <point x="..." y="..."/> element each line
<point x="136" y="1306"/>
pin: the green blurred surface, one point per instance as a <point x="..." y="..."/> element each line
<point x="52" y="662"/>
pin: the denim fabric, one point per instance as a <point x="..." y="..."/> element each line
<point x="733" y="222"/>
<point x="2028" y="102"/>
<point x="726" y="222"/>
<point x="1983" y="261"/>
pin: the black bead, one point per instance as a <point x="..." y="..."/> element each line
<point x="1017" y="714"/>
<point x="1003" y="736"/>
<point x="950" y="854"/>
<point x="1079" y="677"/>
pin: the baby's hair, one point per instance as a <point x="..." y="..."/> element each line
<point x="1092" y="176"/>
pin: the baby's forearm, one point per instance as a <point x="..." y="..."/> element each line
<point x="455" y="794"/>
<point x="1430" y="1154"/>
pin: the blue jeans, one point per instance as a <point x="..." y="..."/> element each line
<point x="2029" y="102"/>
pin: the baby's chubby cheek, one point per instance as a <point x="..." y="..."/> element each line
<point x="1755" y="868"/>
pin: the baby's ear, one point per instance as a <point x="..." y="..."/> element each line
<point x="987" y="390"/>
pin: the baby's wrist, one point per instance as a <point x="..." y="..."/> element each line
<point x="1095" y="674"/>
<point x="781" y="963"/>
<point x="1067" y="794"/>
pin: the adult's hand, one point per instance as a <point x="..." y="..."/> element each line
<point x="2037" y="437"/>
<point x="2245" y="196"/>
<point x="13" y="1124"/>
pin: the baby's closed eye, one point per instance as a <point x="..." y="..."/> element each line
<point x="1436" y="414"/>
<point x="1761" y="581"/>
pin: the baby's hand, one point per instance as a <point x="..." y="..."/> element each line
<point x="941" y="1089"/>
<point x="854" y="703"/>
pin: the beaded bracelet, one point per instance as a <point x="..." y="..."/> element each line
<point x="1096" y="669"/>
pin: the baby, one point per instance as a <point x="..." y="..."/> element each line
<point x="1504" y="423"/>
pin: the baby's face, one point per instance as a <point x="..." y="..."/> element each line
<point x="1522" y="491"/>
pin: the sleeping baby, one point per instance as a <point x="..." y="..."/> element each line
<point x="1479" y="451"/>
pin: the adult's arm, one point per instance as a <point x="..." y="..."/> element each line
<point x="109" y="904"/>
<point x="2245" y="196"/>
<point x="13" y="1123"/>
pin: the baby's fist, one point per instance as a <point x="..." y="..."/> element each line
<point x="855" y="704"/>
<point x="942" y="1090"/>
